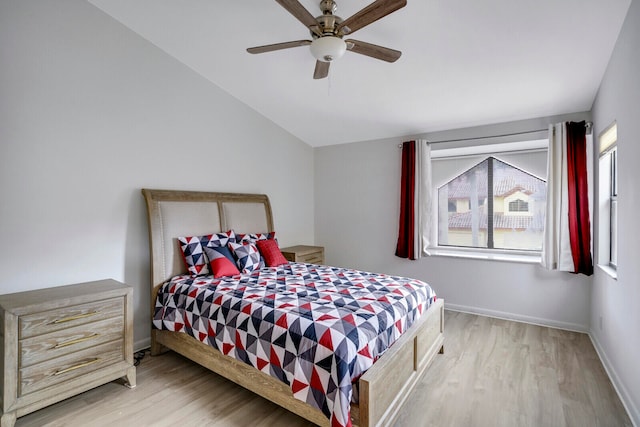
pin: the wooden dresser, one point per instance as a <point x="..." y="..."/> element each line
<point x="304" y="253"/>
<point x="59" y="342"/>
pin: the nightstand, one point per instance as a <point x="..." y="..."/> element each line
<point x="59" y="342"/>
<point x="304" y="253"/>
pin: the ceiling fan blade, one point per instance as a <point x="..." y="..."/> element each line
<point x="322" y="70"/>
<point x="278" y="46"/>
<point x="376" y="10"/>
<point x="301" y="14"/>
<point x="373" y="50"/>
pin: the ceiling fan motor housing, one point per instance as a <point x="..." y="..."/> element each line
<point x="327" y="22"/>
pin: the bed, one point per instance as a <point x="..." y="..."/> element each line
<point x="381" y="390"/>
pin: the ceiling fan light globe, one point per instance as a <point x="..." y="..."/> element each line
<point x="328" y="48"/>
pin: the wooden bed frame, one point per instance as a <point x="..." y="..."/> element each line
<point x="383" y="388"/>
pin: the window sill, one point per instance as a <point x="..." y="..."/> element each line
<point x="526" y="258"/>
<point x="609" y="271"/>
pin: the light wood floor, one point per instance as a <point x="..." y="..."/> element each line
<point x="493" y="373"/>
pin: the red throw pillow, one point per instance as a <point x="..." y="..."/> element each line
<point x="271" y="253"/>
<point x="221" y="262"/>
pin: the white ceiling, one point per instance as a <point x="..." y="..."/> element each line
<point x="464" y="62"/>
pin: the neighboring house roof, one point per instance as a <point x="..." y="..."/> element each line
<point x="507" y="180"/>
<point x="500" y="222"/>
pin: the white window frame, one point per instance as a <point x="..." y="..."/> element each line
<point x="608" y="200"/>
<point x="509" y="255"/>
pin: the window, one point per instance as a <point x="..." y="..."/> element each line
<point x="495" y="201"/>
<point x="613" y="203"/>
<point x="518" y="205"/>
<point x="608" y="198"/>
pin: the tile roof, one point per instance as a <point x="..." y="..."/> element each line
<point x="500" y="221"/>
<point x="507" y="180"/>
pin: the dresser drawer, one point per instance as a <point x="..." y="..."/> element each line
<point x="55" y="344"/>
<point x="55" y="371"/>
<point x="66" y="317"/>
<point x="311" y="258"/>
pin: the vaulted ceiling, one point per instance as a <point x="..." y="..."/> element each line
<point x="464" y="62"/>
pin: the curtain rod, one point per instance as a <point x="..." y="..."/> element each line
<point x="588" y="125"/>
<point x="489" y="136"/>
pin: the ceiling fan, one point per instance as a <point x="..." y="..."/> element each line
<point x="328" y="30"/>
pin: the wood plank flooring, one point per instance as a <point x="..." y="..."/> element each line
<point x="500" y="373"/>
<point x="493" y="373"/>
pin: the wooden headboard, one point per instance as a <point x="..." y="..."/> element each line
<point x="173" y="213"/>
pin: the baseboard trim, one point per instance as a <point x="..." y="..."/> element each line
<point x="618" y="386"/>
<point x="575" y="327"/>
<point x="142" y="344"/>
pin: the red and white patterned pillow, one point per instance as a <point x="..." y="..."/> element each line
<point x="247" y="256"/>
<point x="255" y="237"/>
<point x="271" y="253"/>
<point x="193" y="254"/>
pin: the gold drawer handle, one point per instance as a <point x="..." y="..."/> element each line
<point x="75" y="341"/>
<point x="76" y="317"/>
<point x="78" y="366"/>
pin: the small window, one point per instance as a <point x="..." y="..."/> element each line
<point x="613" y="203"/>
<point x="608" y="198"/>
<point x="518" y="205"/>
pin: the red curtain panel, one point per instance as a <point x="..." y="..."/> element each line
<point x="406" y="232"/>
<point x="578" y="197"/>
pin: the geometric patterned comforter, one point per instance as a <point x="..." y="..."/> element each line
<point x="315" y="328"/>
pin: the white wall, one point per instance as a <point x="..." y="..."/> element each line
<point x="616" y="304"/>
<point x="90" y="113"/>
<point x="357" y="207"/>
